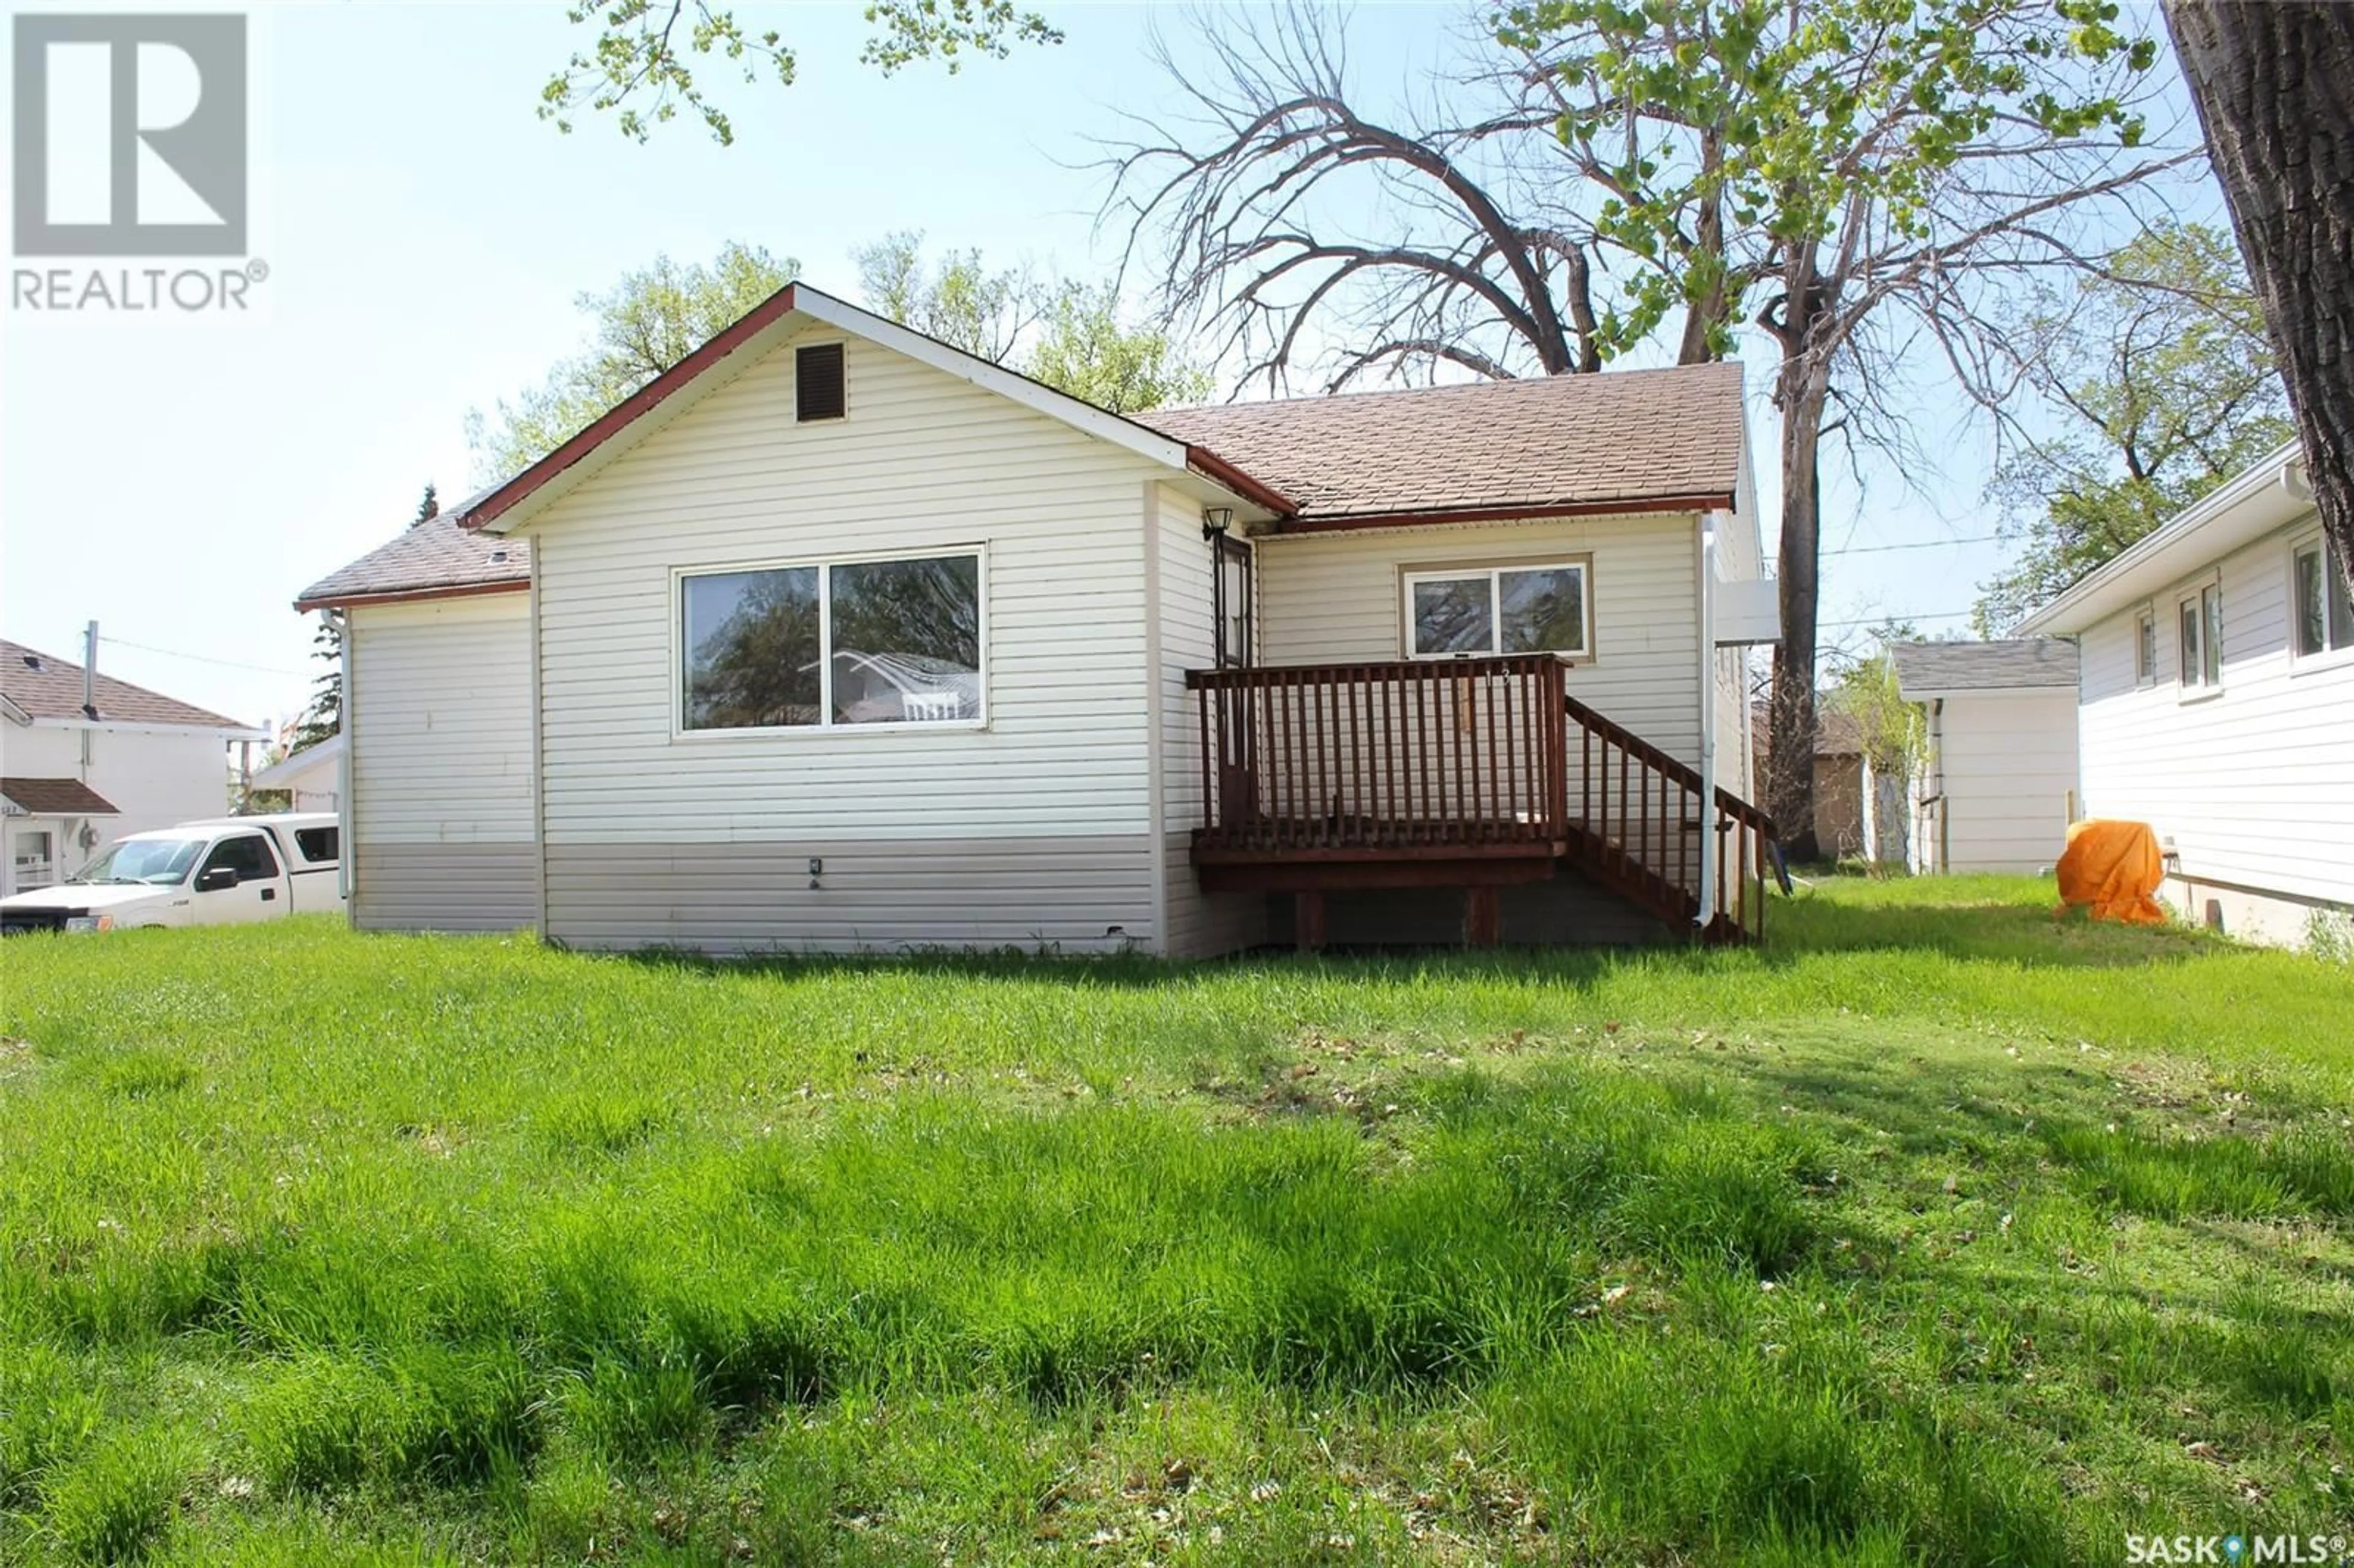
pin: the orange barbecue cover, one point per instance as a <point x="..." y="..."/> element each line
<point x="2114" y="867"/>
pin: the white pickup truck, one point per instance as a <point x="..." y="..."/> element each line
<point x="223" y="872"/>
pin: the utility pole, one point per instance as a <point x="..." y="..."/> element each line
<point x="89" y="694"/>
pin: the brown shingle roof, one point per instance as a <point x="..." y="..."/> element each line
<point x="56" y="798"/>
<point x="1576" y="441"/>
<point x="1630" y="438"/>
<point x="437" y="555"/>
<point x="49" y="687"/>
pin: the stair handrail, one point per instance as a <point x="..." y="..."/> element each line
<point x="1675" y="768"/>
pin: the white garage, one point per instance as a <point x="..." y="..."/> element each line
<point x="1997" y="788"/>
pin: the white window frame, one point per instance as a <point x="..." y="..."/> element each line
<point x="823" y="566"/>
<point x="2190" y="671"/>
<point x="2328" y="658"/>
<point x="1494" y="571"/>
<point x="2144" y="619"/>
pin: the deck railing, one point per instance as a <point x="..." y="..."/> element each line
<point x="1342" y="760"/>
<point x="1461" y="759"/>
<point x="1643" y="823"/>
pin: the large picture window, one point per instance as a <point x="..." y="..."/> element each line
<point x="833" y="643"/>
<point x="1499" y="609"/>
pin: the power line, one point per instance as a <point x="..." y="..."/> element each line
<point x="200" y="658"/>
<point x="1880" y="620"/>
<point x="1916" y="545"/>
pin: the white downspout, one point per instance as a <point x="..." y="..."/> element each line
<point x="1706" y="560"/>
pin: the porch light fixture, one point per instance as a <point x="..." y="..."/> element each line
<point x="1216" y="520"/>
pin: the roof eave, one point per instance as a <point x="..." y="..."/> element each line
<point x="408" y="595"/>
<point x="1616" y="506"/>
<point x="2194" y="531"/>
<point x="1938" y="694"/>
<point x="498" y="510"/>
<point x="1218" y="470"/>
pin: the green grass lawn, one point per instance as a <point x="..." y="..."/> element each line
<point x="1938" y="1231"/>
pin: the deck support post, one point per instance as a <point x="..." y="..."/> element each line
<point x="1308" y="920"/>
<point x="1483" y="917"/>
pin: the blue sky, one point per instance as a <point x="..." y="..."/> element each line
<point x="427" y="235"/>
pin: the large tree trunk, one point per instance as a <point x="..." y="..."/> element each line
<point x="2275" y="87"/>
<point x="1790" y="723"/>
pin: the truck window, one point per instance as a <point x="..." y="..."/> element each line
<point x="249" y="853"/>
<point x="317" y="843"/>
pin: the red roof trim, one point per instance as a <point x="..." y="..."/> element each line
<point x="631" y="408"/>
<point x="1214" y="467"/>
<point x="409" y="595"/>
<point x="1629" y="506"/>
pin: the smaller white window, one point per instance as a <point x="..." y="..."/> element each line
<point x="2146" y="648"/>
<point x="1458" y="613"/>
<point x="2324" y="611"/>
<point x="2200" y="619"/>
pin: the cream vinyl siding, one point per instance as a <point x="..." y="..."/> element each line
<point x="923" y="462"/>
<point x="440" y="764"/>
<point x="2007" y="762"/>
<point x="1331" y="598"/>
<point x="2255" y="786"/>
<point x="1197" y="923"/>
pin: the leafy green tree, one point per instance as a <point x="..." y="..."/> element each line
<point x="1066" y="335"/>
<point x="2159" y="365"/>
<point x="1864" y="687"/>
<point x="323" y="717"/>
<point x="1082" y="349"/>
<point x="641" y="327"/>
<point x="1854" y="179"/>
<point x="428" y="508"/>
<point x="957" y="301"/>
<point x="1837" y="172"/>
<point x="642" y="64"/>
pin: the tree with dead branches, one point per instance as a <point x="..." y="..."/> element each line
<point x="1845" y="178"/>
<point x="1317" y="239"/>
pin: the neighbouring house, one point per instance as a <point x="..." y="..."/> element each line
<point x="1858" y="809"/>
<point x="1996" y="787"/>
<point x="833" y="636"/>
<point x="2216" y="702"/>
<point x="83" y="761"/>
<point x="313" y="778"/>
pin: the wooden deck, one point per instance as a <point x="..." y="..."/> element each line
<point x="1471" y="774"/>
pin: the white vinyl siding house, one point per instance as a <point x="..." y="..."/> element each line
<point x="1338" y="597"/>
<point x="681" y="757"/>
<point x="70" y="781"/>
<point x="1032" y="827"/>
<point x="2247" y="778"/>
<point x="437" y="732"/>
<point x="1997" y="788"/>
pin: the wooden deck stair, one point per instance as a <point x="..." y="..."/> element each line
<point x="1472" y="773"/>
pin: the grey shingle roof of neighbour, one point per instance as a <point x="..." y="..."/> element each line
<point x="49" y="687"/>
<point x="436" y="554"/>
<point x="2019" y="663"/>
<point x="1629" y="436"/>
